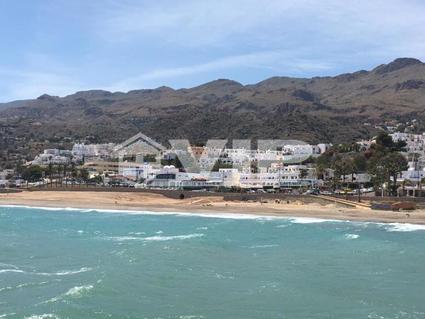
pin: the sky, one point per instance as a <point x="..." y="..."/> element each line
<point x="59" y="47"/>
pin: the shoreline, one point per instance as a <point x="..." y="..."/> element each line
<point x="206" y="206"/>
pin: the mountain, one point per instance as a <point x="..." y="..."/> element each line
<point x="328" y="109"/>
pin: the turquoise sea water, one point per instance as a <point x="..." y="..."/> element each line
<point x="86" y="264"/>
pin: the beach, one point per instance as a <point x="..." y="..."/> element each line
<point x="135" y="202"/>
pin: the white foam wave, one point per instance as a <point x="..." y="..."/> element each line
<point x="399" y="227"/>
<point x="79" y="291"/>
<point x="179" y="237"/>
<point x="74" y="292"/>
<point x="7" y="315"/>
<point x="43" y="316"/>
<point x="43" y="208"/>
<point x="311" y="220"/>
<point x="24" y="285"/>
<point x="124" y="238"/>
<point x="4" y="271"/>
<point x="59" y="273"/>
<point x="70" y="272"/>
<point x="8" y="265"/>
<point x="351" y="236"/>
<point x="143" y="212"/>
<point x="6" y="288"/>
<point x="155" y="238"/>
<point x="293" y="220"/>
<point x="220" y="276"/>
<point x="263" y="246"/>
<point x="282" y="226"/>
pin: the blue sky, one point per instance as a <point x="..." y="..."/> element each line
<point x="62" y="46"/>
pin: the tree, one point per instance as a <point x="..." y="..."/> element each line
<point x="386" y="169"/>
<point x="50" y="170"/>
<point x="74" y="171"/>
<point x="394" y="164"/>
<point x="400" y="146"/>
<point x="343" y="167"/>
<point x="384" y="140"/>
<point x="385" y="143"/>
<point x="360" y="163"/>
<point x="84" y="174"/>
<point x="303" y="173"/>
<point x="32" y="173"/>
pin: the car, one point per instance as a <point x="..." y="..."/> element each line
<point x="312" y="192"/>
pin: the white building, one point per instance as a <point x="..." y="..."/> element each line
<point x="137" y="171"/>
<point x="297" y="176"/>
<point x="93" y="151"/>
<point x="415" y="142"/>
<point x="53" y="156"/>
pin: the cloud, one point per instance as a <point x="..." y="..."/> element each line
<point x="192" y="23"/>
<point x="132" y="44"/>
<point x="189" y="22"/>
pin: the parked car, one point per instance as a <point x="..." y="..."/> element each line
<point x="312" y="192"/>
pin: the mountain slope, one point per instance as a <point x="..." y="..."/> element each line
<point x="327" y="109"/>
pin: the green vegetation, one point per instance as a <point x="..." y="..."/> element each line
<point x="383" y="161"/>
<point x="32" y="173"/>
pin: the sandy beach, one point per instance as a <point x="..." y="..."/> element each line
<point x="133" y="202"/>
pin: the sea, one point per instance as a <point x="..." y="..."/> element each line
<point x="70" y="263"/>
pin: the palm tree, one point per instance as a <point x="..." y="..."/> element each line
<point x="50" y="170"/>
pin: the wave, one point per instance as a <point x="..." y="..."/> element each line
<point x="74" y="292"/>
<point x="7" y="315"/>
<point x="351" y="236"/>
<point x="8" y="265"/>
<point x="44" y="208"/>
<point x="43" y="316"/>
<point x="24" y="285"/>
<point x="4" y="271"/>
<point x="312" y="220"/>
<point x="244" y="216"/>
<point x="137" y="233"/>
<point x="59" y="273"/>
<point x="145" y="212"/>
<point x="66" y="272"/>
<point x="156" y="238"/>
<point x="179" y="237"/>
<point x="294" y="220"/>
<point x="399" y="227"/>
<point x="263" y="246"/>
<point x="79" y="291"/>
